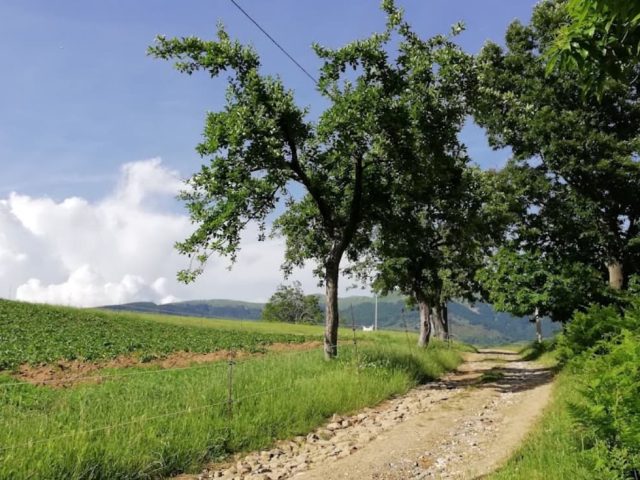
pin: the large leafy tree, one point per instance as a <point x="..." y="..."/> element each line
<point x="585" y="148"/>
<point x="432" y="244"/>
<point x="601" y="39"/>
<point x="423" y="237"/>
<point x="289" y="304"/>
<point x="262" y="143"/>
<point x="531" y="283"/>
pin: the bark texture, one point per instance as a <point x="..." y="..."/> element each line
<point x="438" y="323"/>
<point x="538" y="321"/>
<point x="425" y="323"/>
<point x="331" y="313"/>
<point x="616" y="275"/>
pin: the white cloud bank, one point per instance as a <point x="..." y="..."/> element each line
<point x="120" y="249"/>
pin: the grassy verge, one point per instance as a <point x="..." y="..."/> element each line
<point x="158" y="424"/>
<point x="554" y="449"/>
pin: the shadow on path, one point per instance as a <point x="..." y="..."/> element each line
<point x="501" y="378"/>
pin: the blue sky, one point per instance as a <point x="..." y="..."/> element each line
<point x="96" y="137"/>
<point x="80" y="97"/>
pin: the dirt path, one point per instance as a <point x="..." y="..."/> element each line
<point x="462" y="427"/>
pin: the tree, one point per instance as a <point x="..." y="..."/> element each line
<point x="586" y="148"/>
<point x="531" y="284"/>
<point x="261" y="143"/>
<point x="431" y="247"/>
<point x="289" y="304"/>
<point x="425" y="226"/>
<point x="601" y="40"/>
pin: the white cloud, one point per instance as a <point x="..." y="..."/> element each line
<point x="120" y="249"/>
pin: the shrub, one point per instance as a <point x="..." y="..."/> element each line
<point x="592" y="329"/>
<point x="610" y="412"/>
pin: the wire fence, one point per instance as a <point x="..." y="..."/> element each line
<point x="224" y="382"/>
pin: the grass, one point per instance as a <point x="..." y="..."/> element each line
<point x="554" y="449"/>
<point x="43" y="334"/>
<point x="543" y="353"/>
<point x="162" y="422"/>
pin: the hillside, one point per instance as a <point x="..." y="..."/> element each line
<point x="478" y="324"/>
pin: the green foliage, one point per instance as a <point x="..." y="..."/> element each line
<point x="601" y="40"/>
<point x="348" y="162"/>
<point x="578" y="153"/>
<point x="544" y="352"/>
<point x="594" y="329"/>
<point x="610" y="386"/>
<point x="522" y="282"/>
<point x="43" y="334"/>
<point x="289" y="304"/>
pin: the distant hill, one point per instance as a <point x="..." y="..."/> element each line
<point x="478" y="324"/>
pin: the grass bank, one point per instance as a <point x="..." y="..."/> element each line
<point x="154" y="423"/>
<point x="554" y="450"/>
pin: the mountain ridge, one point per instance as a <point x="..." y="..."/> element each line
<point x="478" y="324"/>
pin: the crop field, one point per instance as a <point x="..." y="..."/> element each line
<point x="152" y="422"/>
<point x="42" y="334"/>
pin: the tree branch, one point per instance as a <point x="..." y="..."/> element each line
<point x="296" y="167"/>
<point x="356" y="209"/>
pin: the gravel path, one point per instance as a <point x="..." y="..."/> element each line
<point x="463" y="426"/>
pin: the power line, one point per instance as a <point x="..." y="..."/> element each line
<point x="275" y="42"/>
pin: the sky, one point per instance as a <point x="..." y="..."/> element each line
<point x="96" y="137"/>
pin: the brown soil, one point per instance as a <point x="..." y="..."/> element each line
<point x="66" y="373"/>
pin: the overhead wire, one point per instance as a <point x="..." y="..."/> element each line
<point x="274" y="41"/>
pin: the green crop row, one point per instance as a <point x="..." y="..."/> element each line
<point x="38" y="334"/>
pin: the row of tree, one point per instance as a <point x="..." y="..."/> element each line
<point x="389" y="187"/>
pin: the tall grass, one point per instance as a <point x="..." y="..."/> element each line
<point x="155" y="425"/>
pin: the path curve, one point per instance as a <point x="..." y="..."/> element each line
<point x="461" y="427"/>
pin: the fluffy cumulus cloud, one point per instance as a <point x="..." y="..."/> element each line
<point x="120" y="249"/>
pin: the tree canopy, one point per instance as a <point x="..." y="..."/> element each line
<point x="586" y="149"/>
<point x="601" y="39"/>
<point x="289" y="304"/>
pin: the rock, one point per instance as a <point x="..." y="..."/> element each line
<point x="265" y="455"/>
<point x="334" y="426"/>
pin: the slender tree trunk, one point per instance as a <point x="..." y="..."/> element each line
<point x="538" y="321"/>
<point x="445" y="318"/>
<point x="331" y="311"/>
<point x="616" y="275"/>
<point x="438" y="322"/>
<point x="425" y="323"/>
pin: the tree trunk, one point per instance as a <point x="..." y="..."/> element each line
<point x="445" y="322"/>
<point x="438" y="322"/>
<point x="331" y="319"/>
<point x="538" y="321"/>
<point x="425" y="323"/>
<point x="616" y="275"/>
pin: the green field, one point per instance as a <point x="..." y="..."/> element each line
<point x="37" y="334"/>
<point x="153" y="423"/>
